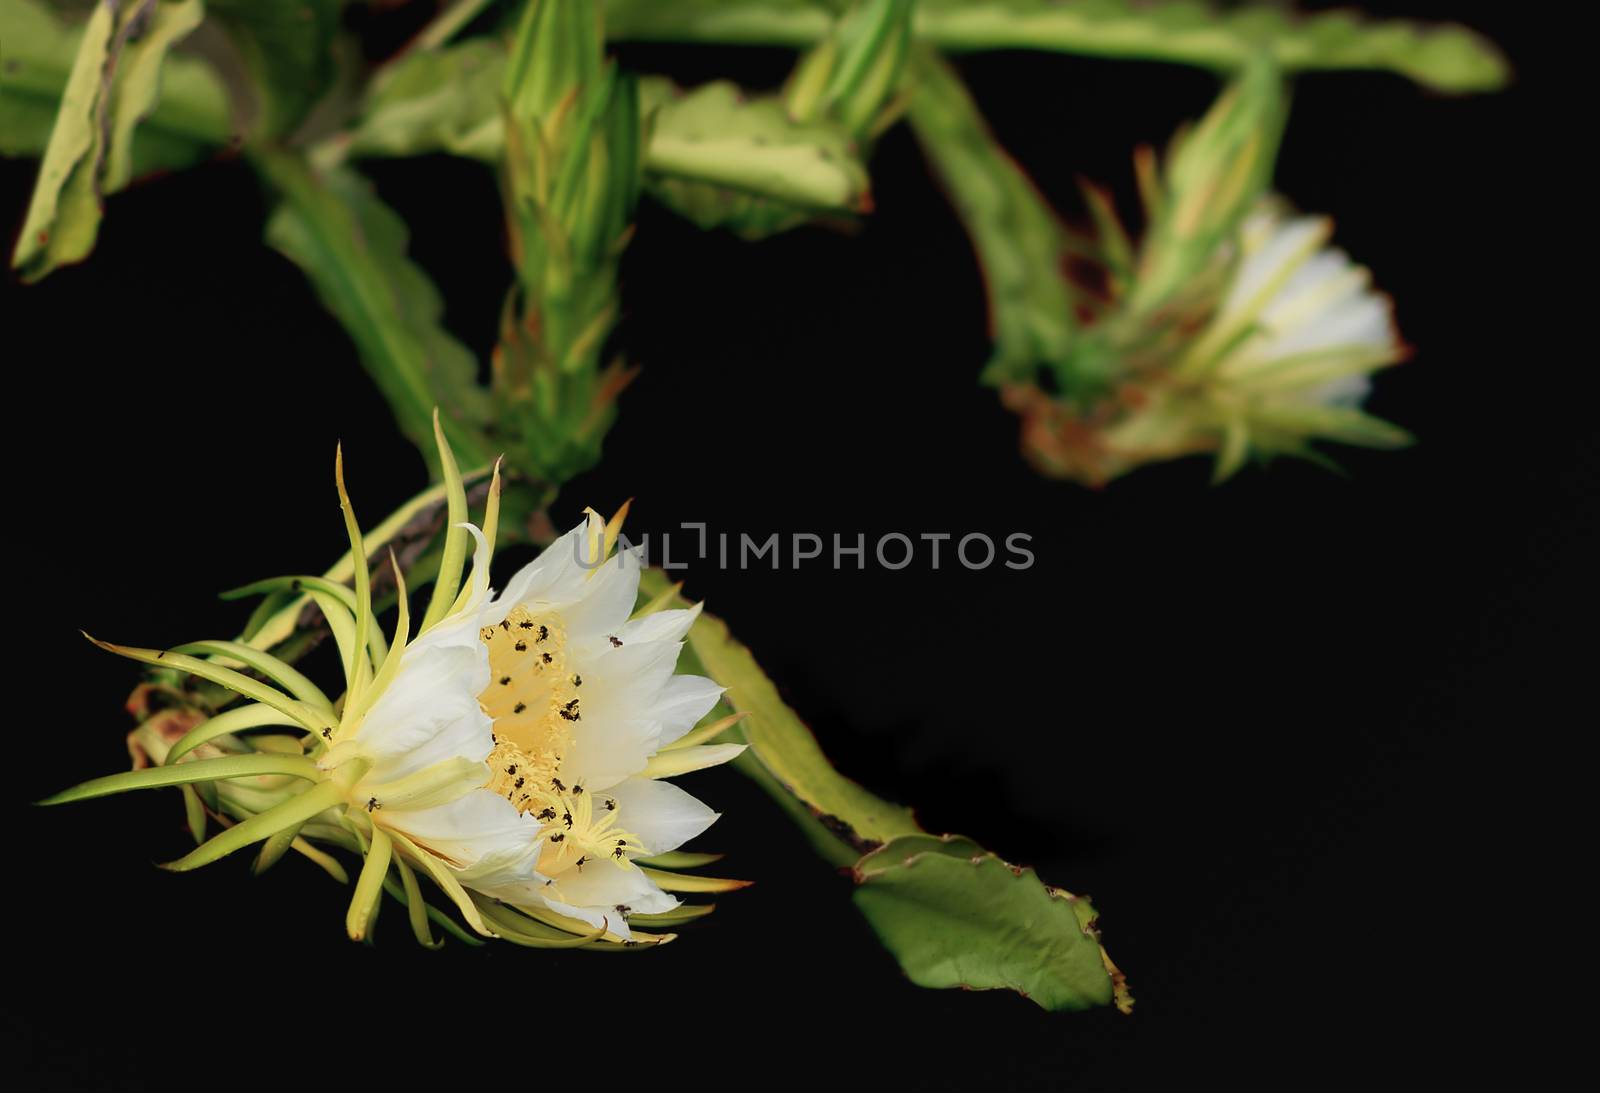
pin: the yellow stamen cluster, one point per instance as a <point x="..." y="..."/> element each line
<point x="535" y="698"/>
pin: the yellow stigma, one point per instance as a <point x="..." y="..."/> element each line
<point x="535" y="697"/>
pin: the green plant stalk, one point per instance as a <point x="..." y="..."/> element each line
<point x="1446" y="58"/>
<point x="1021" y="246"/>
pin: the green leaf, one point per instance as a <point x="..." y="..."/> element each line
<point x="138" y="85"/>
<point x="287" y="46"/>
<point x="716" y="157"/>
<point x="1442" y="57"/>
<point x="954" y="915"/>
<point x="114" y="82"/>
<point x="781" y="743"/>
<point x="187" y="122"/>
<point x="724" y="160"/>
<point x="1022" y="247"/>
<point x="65" y="211"/>
<point x="445" y="100"/>
<point x="353" y="248"/>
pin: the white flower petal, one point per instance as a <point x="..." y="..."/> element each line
<point x="661" y="626"/>
<point x="683" y="701"/>
<point x="594" y="895"/>
<point x="480" y="831"/>
<point x="429" y="713"/>
<point x="555" y="577"/>
<point x="662" y="815"/>
<point x="607" y="601"/>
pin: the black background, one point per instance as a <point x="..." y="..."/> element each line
<point x="1287" y="732"/>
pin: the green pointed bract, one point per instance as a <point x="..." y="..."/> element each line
<point x="678" y="882"/>
<point x="416" y="908"/>
<point x="369" y="886"/>
<point x="863" y="59"/>
<point x="286" y="676"/>
<point x="402" y="634"/>
<point x="296" y="810"/>
<point x="337" y="603"/>
<point x="255" y="715"/>
<point x="519" y="929"/>
<point x="445" y="879"/>
<point x="1215" y="173"/>
<point x="194" y="814"/>
<point x="326" y="862"/>
<point x="201" y="770"/>
<point x="448" y="581"/>
<point x="281" y="624"/>
<point x="679" y="859"/>
<point x="571" y="169"/>
<point x="301" y="713"/>
<point x="274" y="848"/>
<point x="357" y="668"/>
<point x="407" y="899"/>
<point x="688" y="912"/>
